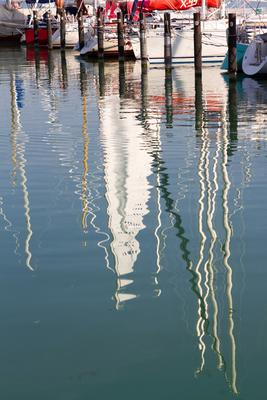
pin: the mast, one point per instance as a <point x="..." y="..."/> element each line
<point x="203" y="9"/>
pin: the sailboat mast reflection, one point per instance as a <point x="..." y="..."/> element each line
<point x="207" y="205"/>
<point x="151" y="130"/>
<point x="19" y="159"/>
<point x="84" y="194"/>
<point x="226" y="256"/>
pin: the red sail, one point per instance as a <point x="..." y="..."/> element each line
<point x="176" y="5"/>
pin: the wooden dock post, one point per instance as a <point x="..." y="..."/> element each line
<point x="49" y="32"/>
<point x="167" y="41"/>
<point x="35" y="29"/>
<point x="232" y="65"/>
<point x="120" y="30"/>
<point x="100" y="32"/>
<point x="143" y="43"/>
<point x="80" y="29"/>
<point x="197" y="44"/>
<point x="62" y="29"/>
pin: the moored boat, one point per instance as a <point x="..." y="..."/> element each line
<point x="214" y="40"/>
<point x="90" y="48"/>
<point x="255" y="57"/>
<point x="12" y="23"/>
<point x="214" y="43"/>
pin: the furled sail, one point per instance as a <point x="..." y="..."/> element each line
<point x="176" y="5"/>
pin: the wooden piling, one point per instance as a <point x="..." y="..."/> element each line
<point x="197" y="44"/>
<point x="120" y="30"/>
<point x="232" y="65"/>
<point x="49" y="32"/>
<point x="80" y="29"/>
<point x="100" y="32"/>
<point x="143" y="43"/>
<point x="35" y="29"/>
<point x="167" y="41"/>
<point x="62" y="29"/>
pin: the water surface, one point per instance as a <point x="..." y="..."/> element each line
<point x="132" y="230"/>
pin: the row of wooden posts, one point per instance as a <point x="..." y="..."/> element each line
<point x="232" y="66"/>
<point x="62" y="16"/>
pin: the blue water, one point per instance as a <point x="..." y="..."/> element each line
<point x="132" y="231"/>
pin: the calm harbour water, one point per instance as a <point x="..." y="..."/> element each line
<point x="132" y="231"/>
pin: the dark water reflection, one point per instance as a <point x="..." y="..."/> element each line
<point x="132" y="211"/>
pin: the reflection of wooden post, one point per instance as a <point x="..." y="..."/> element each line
<point x="50" y="67"/>
<point x="80" y="29"/>
<point x="198" y="104"/>
<point x="62" y="29"/>
<point x="168" y="97"/>
<point x="167" y="41"/>
<point x="37" y="67"/>
<point x="143" y="43"/>
<point x="35" y="29"/>
<point x="232" y="104"/>
<point x="64" y="70"/>
<point x="83" y="80"/>
<point x="144" y="89"/>
<point x="232" y="66"/>
<point x="49" y="32"/>
<point x="101" y="75"/>
<point x="197" y="44"/>
<point x="100" y="32"/>
<point x="121" y="79"/>
<point x="120" y="27"/>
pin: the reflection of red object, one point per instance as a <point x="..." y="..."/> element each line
<point x="42" y="36"/>
<point x="31" y="54"/>
<point x="184" y="105"/>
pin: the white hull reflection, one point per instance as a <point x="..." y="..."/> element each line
<point x="127" y="168"/>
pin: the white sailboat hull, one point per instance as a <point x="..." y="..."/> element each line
<point x="255" y="58"/>
<point x="214" y="44"/>
<point x="72" y="36"/>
